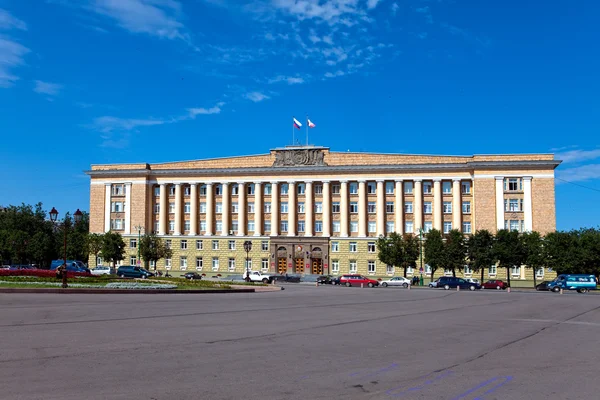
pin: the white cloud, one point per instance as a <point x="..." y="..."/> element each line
<point x="394" y="7"/>
<point x="193" y="112"/>
<point x="290" y="80"/>
<point x="256" y="96"/>
<point x="578" y="155"/>
<point x="11" y="56"/>
<point x="8" y="21"/>
<point x="372" y="4"/>
<point x="109" y="124"/>
<point x="334" y="74"/>
<point x="583" y="173"/>
<point x="48" y="88"/>
<point x="423" y="10"/>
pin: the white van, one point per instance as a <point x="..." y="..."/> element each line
<point x="102" y="270"/>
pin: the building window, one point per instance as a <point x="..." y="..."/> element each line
<point x="215" y="263"/>
<point x="408" y="227"/>
<point x="353" y="247"/>
<point x="335" y="247"/>
<point x="118" y="190"/>
<point x="250" y="189"/>
<point x="199" y="245"/>
<point x="183" y="245"/>
<point x="467" y="270"/>
<point x="219" y="226"/>
<point x="389" y="207"/>
<point x="465" y="187"/>
<point x="168" y="263"/>
<point x="389" y="269"/>
<point x="466" y="227"/>
<point x="248" y="264"/>
<point x="513" y="184"/>
<point x="447" y="187"/>
<point x="264" y="245"/>
<point x="410" y="270"/>
<point x="267" y="226"/>
<point x="513" y="225"/>
<point x="466" y="207"/>
<point x="300" y="226"/>
<point x="117" y="206"/>
<point x="267" y="207"/>
<point x="372" y="226"/>
<point x="264" y="264"/>
<point x="301" y="188"/>
<point x="408" y="187"/>
<point x="353" y="188"/>
<point x="300" y="208"/>
<point x="219" y="208"/>
<point x="284" y="207"/>
<point x="318" y="207"/>
<point x="335" y="189"/>
<point x="232" y="245"/>
<point x="234" y="226"/>
<point x="319" y="226"/>
<point x="202" y="190"/>
<point x="447" y="227"/>
<point x="156" y="208"/>
<point x="427" y="226"/>
<point x="492" y="270"/>
<point x="335" y="207"/>
<point x="353" y="226"/>
<point x="389" y="188"/>
<point x="168" y="243"/>
<point x="336" y="226"/>
<point x="186" y="190"/>
<point x="352" y="266"/>
<point x="231" y="264"/>
<point x="156" y="226"/>
<point x="215" y="245"/>
<point x="389" y="226"/>
<point x="218" y="190"/>
<point x="203" y="208"/>
<point x="447" y="272"/>
<point x="157" y="191"/>
<point x="250" y="226"/>
<point x="371" y="188"/>
<point x="371" y="247"/>
<point x="183" y="263"/>
<point x="353" y="207"/>
<point x="171" y="208"/>
<point x="186" y="208"/>
<point x="171" y="226"/>
<point x="203" y="226"/>
<point x="371" y="267"/>
<point x="267" y="189"/>
<point x="408" y="207"/>
<point x="251" y="208"/>
<point x="132" y="260"/>
<point x="235" y="189"/>
<point x="234" y="208"/>
<point x="539" y="272"/>
<point x="515" y="271"/>
<point x="186" y="225"/>
<point x="199" y="263"/>
<point x="426" y="187"/>
<point x="318" y="189"/>
<point x="283" y="226"/>
<point x="335" y="266"/>
<point x="447" y="207"/>
<point x="285" y="188"/>
<point x="427" y="208"/>
<point x="371" y="207"/>
<point x="427" y="269"/>
<point x="513" y="205"/>
<point x="133" y="243"/>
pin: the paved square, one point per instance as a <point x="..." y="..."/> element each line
<point x="302" y="343"/>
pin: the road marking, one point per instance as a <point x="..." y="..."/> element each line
<point x="484" y="384"/>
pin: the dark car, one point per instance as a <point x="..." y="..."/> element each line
<point x="287" y="278"/>
<point x="450" y="282"/>
<point x="494" y="284"/>
<point x="132" y="271"/>
<point x="325" y="280"/>
<point x="542" y="285"/>
<point x="192" y="275"/>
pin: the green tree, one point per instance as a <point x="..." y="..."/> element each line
<point x="153" y="248"/>
<point x="480" y="251"/>
<point x="562" y="252"/>
<point x="410" y="249"/>
<point x="389" y="249"/>
<point x="508" y="250"/>
<point x="455" y="251"/>
<point x="589" y="250"/>
<point x="113" y="247"/>
<point x="433" y="250"/>
<point x="95" y="245"/>
<point x="533" y="250"/>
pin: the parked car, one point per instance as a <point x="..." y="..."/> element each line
<point x="132" y="271"/>
<point x="434" y="284"/>
<point x="192" y="275"/>
<point x="450" y="282"/>
<point x="102" y="270"/>
<point x="494" y="284"/>
<point x="72" y="266"/>
<point x="5" y="267"/>
<point x="472" y="280"/>
<point x="357" y="280"/>
<point x="258" y="276"/>
<point x="542" y="285"/>
<point x="583" y="283"/>
<point x="325" y="280"/>
<point x="397" y="281"/>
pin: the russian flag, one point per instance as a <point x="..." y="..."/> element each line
<point x="310" y="124"/>
<point x="297" y="123"/>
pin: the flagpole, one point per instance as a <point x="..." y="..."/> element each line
<point x="293" y="135"/>
<point x="307" y="129"/>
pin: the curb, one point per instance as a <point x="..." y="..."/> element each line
<point x="125" y="291"/>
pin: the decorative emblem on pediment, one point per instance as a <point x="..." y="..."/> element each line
<point x="299" y="157"/>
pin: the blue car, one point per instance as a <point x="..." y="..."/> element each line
<point x="72" y="266"/>
<point x="581" y="283"/>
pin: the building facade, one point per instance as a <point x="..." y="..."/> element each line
<point x="308" y="210"/>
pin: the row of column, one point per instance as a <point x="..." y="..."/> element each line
<point x="527" y="203"/>
<point x="309" y="205"/>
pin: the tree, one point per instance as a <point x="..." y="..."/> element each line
<point x="153" y="248"/>
<point x="434" y="250"/>
<point x="562" y="252"/>
<point x="410" y="247"/>
<point x="533" y="251"/>
<point x="113" y="247"/>
<point x="508" y="250"/>
<point x="455" y="251"/>
<point x="95" y="245"/>
<point x="589" y="250"/>
<point x="480" y="251"/>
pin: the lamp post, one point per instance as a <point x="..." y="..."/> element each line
<point x="421" y="253"/>
<point x="247" y="247"/>
<point x="77" y="218"/>
<point x="139" y="228"/>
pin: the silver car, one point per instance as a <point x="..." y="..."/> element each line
<point x="396" y="281"/>
<point x="433" y="284"/>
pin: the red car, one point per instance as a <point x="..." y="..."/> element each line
<point x="357" y="280"/>
<point x="494" y="284"/>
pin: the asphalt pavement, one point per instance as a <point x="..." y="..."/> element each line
<point x="304" y="342"/>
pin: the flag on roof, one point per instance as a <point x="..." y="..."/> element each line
<point x="310" y="124"/>
<point x="297" y="123"/>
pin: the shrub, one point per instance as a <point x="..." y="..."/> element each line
<point x="42" y="273"/>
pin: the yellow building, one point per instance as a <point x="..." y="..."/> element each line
<point x="308" y="210"/>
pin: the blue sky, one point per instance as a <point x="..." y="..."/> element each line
<point x="110" y="81"/>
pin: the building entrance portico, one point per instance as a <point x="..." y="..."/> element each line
<point x="300" y="255"/>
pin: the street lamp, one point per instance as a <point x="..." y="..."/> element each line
<point x="139" y="228"/>
<point x="247" y="247"/>
<point x="77" y="217"/>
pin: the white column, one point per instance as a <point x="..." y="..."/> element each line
<point x="527" y="208"/>
<point x="107" y="207"/>
<point x="381" y="208"/>
<point x="258" y="209"/>
<point x="418" y="206"/>
<point x="163" y="210"/>
<point x="292" y="209"/>
<point x="226" y="209"/>
<point x="309" y="209"/>
<point x="456" y="205"/>
<point x="362" y="209"/>
<point x="210" y="209"/>
<point x="438" y="217"/>
<point x="344" y="217"/>
<point x="127" y="208"/>
<point x="178" y="209"/>
<point x="399" y="207"/>
<point x="326" y="208"/>
<point x="242" y="209"/>
<point x="499" y="202"/>
<point x="274" y="209"/>
<point x="193" y="209"/>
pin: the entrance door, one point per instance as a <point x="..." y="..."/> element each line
<point x="299" y="265"/>
<point x="282" y="265"/>
<point x="317" y="266"/>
